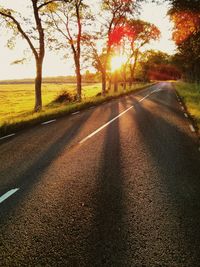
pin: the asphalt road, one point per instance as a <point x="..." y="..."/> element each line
<point x="127" y="194"/>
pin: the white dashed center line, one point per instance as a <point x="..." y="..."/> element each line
<point x="75" y="113"/>
<point x="7" y="136"/>
<point x="8" y="194"/>
<point x="47" y="122"/>
<point x="103" y="126"/>
<point x="115" y="118"/>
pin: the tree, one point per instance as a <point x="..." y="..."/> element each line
<point x="98" y="58"/>
<point x="34" y="36"/>
<point x="142" y="33"/>
<point x="130" y="39"/>
<point x="68" y="20"/>
<point x="157" y="65"/>
<point x="186" y="18"/>
<point x="113" y="29"/>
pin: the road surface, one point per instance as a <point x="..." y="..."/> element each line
<point x="117" y="185"/>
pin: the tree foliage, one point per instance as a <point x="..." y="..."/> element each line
<point x="157" y="65"/>
<point x="186" y="18"/>
<point x="68" y="20"/>
<point x="32" y="31"/>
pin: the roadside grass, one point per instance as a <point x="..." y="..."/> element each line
<point x="190" y="93"/>
<point x="17" y="102"/>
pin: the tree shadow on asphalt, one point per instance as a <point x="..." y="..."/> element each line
<point x="107" y="238"/>
<point x="176" y="157"/>
<point x="106" y="243"/>
<point x="33" y="174"/>
<point x="174" y="106"/>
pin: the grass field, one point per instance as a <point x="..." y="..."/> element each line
<point x="191" y="95"/>
<point x="17" y="102"/>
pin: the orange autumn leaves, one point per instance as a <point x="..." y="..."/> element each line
<point x="186" y="23"/>
<point x="133" y="30"/>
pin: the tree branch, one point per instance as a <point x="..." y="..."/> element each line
<point x="52" y="1"/>
<point x="24" y="35"/>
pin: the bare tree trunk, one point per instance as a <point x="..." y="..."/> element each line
<point x="124" y="86"/>
<point x="124" y="77"/>
<point x="78" y="82"/>
<point x="38" y="86"/>
<point x="78" y="52"/>
<point x="115" y="82"/>
<point x="39" y="59"/>
<point x="103" y="77"/>
<point x="109" y="83"/>
<point x="133" y="68"/>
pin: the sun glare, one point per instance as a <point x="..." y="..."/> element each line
<point x="117" y="62"/>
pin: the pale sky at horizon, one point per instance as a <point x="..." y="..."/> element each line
<point x="54" y="65"/>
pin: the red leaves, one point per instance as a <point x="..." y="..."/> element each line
<point x="132" y="30"/>
<point x="186" y="24"/>
<point x="119" y="32"/>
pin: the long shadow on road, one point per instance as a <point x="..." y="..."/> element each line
<point x="108" y="243"/>
<point x="177" y="171"/>
<point x="34" y="173"/>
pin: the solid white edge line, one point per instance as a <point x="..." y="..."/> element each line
<point x="7" y="136"/>
<point x="75" y="113"/>
<point x="105" y="125"/>
<point x="192" y="128"/>
<point x="48" y="122"/>
<point x="8" y="194"/>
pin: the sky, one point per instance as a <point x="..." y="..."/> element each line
<point x="54" y="65"/>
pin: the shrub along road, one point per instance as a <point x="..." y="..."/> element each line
<point x="103" y="189"/>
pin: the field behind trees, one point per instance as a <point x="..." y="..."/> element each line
<point x="16" y="102"/>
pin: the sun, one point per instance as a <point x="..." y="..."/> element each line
<point x="117" y="62"/>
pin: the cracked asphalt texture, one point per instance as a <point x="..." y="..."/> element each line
<point x="129" y="196"/>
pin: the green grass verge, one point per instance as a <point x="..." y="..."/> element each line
<point x="15" y="108"/>
<point x="190" y="94"/>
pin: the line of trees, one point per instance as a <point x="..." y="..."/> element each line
<point x="186" y="18"/>
<point x="71" y="24"/>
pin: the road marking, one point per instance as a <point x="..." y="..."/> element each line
<point x="75" y="113"/>
<point x="186" y="115"/>
<point x="7" y="136"/>
<point x="182" y="108"/>
<point x="105" y="125"/>
<point x="144" y="98"/>
<point x="115" y="118"/>
<point x="47" y="122"/>
<point x="192" y="128"/>
<point x="8" y="194"/>
<point x="92" y="107"/>
<point x="155" y="91"/>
